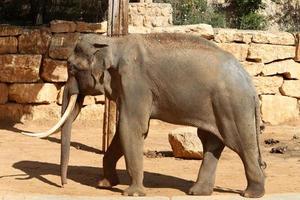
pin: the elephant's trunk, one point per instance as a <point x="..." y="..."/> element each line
<point x="69" y="108"/>
<point x="71" y="88"/>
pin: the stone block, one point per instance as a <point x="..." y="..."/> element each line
<point x="278" y="109"/>
<point x="8" y="45"/>
<point x="253" y="68"/>
<point x="100" y="99"/>
<point x="13" y="112"/>
<point x="203" y="30"/>
<point x="92" y="112"/>
<point x="233" y="35"/>
<point x="8" y="30"/>
<point x="288" y="68"/>
<point x="33" y="93"/>
<point x="278" y="38"/>
<point x="136" y="20"/>
<point x="291" y="88"/>
<point x="35" y="41"/>
<point x="62" y="45"/>
<point x="239" y="51"/>
<point x="20" y="68"/>
<point x="50" y="112"/>
<point x="54" y="70"/>
<point x="150" y="14"/>
<point x="59" y="97"/>
<point x="85" y="27"/>
<point x="61" y="26"/>
<point x="185" y="143"/>
<point x="248" y="36"/>
<point x="268" y="85"/>
<point x="267" y="53"/>
<point x="3" y="93"/>
<point x="89" y="100"/>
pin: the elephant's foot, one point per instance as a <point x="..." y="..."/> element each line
<point x="108" y="182"/>
<point x="201" y="189"/>
<point x="254" y="191"/>
<point x="134" y="191"/>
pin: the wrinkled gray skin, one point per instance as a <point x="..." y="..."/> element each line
<point x="176" y="78"/>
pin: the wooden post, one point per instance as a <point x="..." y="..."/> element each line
<point x="117" y="25"/>
<point x="297" y="56"/>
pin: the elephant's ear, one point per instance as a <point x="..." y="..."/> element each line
<point x="99" y="46"/>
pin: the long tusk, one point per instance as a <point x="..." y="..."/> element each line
<point x="55" y="128"/>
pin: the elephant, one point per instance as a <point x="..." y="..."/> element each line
<point x="177" y="78"/>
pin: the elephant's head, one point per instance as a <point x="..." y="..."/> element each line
<point x="88" y="74"/>
<point x="89" y="62"/>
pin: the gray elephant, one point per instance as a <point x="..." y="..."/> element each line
<point x="177" y="78"/>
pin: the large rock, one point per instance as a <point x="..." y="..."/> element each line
<point x="8" y="30"/>
<point x="185" y="143"/>
<point x="291" y="88"/>
<point x="277" y="109"/>
<point x="62" y="45"/>
<point x="33" y="93"/>
<point x="3" y="93"/>
<point x="35" y="41"/>
<point x="288" y="68"/>
<point x="19" y="68"/>
<point x="253" y="68"/>
<point x="267" y="53"/>
<point x="8" y="45"/>
<point x="61" y="26"/>
<point x="54" y="70"/>
<point x="240" y="51"/>
<point x="268" y="85"/>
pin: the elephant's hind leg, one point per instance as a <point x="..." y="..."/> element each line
<point x="212" y="149"/>
<point x="246" y="146"/>
<point x="110" y="159"/>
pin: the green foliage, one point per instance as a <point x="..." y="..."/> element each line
<point x="244" y="14"/>
<point x="194" y="12"/>
<point x="290" y="19"/>
<point x="253" y="21"/>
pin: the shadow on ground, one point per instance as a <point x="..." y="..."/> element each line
<point x="89" y="176"/>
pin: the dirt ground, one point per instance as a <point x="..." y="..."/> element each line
<point x="31" y="165"/>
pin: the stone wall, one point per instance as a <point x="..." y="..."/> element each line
<point x="33" y="70"/>
<point x="33" y="67"/>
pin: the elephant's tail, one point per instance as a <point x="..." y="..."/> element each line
<point x="262" y="164"/>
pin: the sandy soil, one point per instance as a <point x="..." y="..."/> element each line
<point x="30" y="165"/>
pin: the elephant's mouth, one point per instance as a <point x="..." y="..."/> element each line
<point x="57" y="126"/>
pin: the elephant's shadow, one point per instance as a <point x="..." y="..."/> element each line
<point x="89" y="176"/>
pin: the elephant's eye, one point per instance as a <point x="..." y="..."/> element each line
<point x="101" y="80"/>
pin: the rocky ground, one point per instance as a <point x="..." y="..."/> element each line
<point x="30" y="165"/>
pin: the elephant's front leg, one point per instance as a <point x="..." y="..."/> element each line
<point x="133" y="127"/>
<point x="110" y="159"/>
<point x="133" y="141"/>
